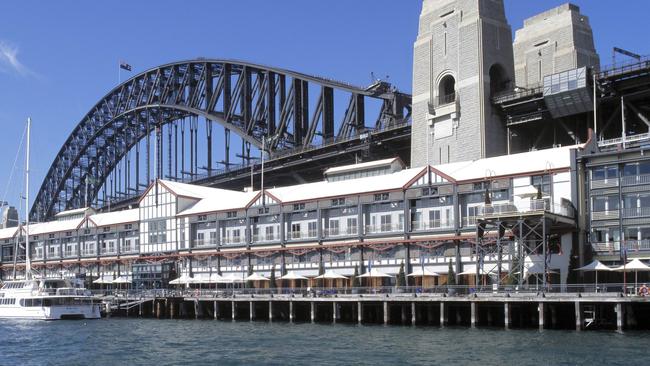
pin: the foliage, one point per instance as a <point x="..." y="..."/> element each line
<point x="451" y="275"/>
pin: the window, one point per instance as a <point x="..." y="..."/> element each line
<point x="68" y="233"/>
<point x="312" y="231"/>
<point x="351" y="226"/>
<point x="268" y="231"/>
<point x="128" y="227"/>
<point x="542" y="182"/>
<point x="203" y="217"/>
<point x="334" y="227"/>
<point x="200" y="238"/>
<point x="605" y="203"/>
<point x="51" y="236"/>
<point x="381" y="197"/>
<point x="236" y="236"/>
<point x="430" y="191"/>
<point x="434" y="219"/>
<point x="604" y="173"/>
<point x="295" y="231"/>
<point x="263" y="210"/>
<point x="385" y="221"/>
<point x="231" y="214"/>
<point x="338" y="202"/>
<point x="157" y="232"/>
<point x="446" y="90"/>
<point x="298" y="206"/>
<point x="107" y="229"/>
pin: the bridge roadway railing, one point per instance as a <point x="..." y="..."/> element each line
<point x="574" y="290"/>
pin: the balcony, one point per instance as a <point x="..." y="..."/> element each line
<point x="53" y="255"/>
<point x="262" y="238"/>
<point x="604" y="183"/>
<point x="70" y="253"/>
<point x="606" y="247"/>
<point x="88" y="252"/>
<point x="431" y="225"/>
<point x="636" y="179"/>
<point x="204" y="243"/>
<point x="385" y="228"/>
<point x="129" y="249"/>
<point x="524" y="207"/>
<point x="231" y="240"/>
<point x="636" y="212"/>
<point x="637" y="245"/>
<point x="605" y="215"/>
<point x="310" y="234"/>
<point x="337" y="233"/>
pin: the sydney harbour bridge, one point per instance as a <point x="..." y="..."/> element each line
<point x="206" y="121"/>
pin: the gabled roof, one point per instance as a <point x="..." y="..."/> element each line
<point x="325" y="189"/>
<point x="193" y="191"/>
<point x="363" y="166"/>
<point x="221" y="200"/>
<point x="8" y="233"/>
<point x="55" y="226"/>
<point x="510" y="165"/>
<point x="115" y="218"/>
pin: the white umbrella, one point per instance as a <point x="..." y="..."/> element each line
<point x="256" y="277"/>
<point x="420" y="272"/>
<point x="595" y="266"/>
<point x="634" y="265"/>
<point x="331" y="275"/>
<point x="230" y="278"/>
<point x="375" y="273"/>
<point x="183" y="280"/>
<point x="291" y="275"/>
<point x="102" y="281"/>
<point x="122" y="280"/>
<point x="526" y="192"/>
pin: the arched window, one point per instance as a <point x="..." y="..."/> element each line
<point x="499" y="81"/>
<point x="447" y="90"/>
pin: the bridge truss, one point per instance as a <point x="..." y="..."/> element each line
<point x="160" y="124"/>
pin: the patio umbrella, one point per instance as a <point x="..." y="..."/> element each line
<point x="526" y="192"/>
<point x="183" y="280"/>
<point x="230" y="278"/>
<point x="121" y="280"/>
<point x="595" y="266"/>
<point x="291" y="275"/>
<point x="634" y="265"/>
<point x="375" y="273"/>
<point x="256" y="277"/>
<point x="420" y="272"/>
<point x="331" y="275"/>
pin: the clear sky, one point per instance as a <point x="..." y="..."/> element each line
<point x="58" y="58"/>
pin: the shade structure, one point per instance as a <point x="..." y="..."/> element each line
<point x="375" y="273"/>
<point x="256" y="277"/>
<point x="422" y="272"/>
<point x="472" y="271"/>
<point x="102" y="281"/>
<point x="231" y="278"/>
<point x="635" y="266"/>
<point x="213" y="278"/>
<point x="122" y="280"/>
<point x="526" y="192"/>
<point x="291" y="275"/>
<point x="595" y="266"/>
<point x="331" y="275"/>
<point x="183" y="280"/>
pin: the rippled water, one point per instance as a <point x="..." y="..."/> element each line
<point x="175" y="342"/>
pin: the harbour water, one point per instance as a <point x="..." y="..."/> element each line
<point x="175" y="342"/>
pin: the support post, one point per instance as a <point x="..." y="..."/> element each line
<point x="386" y="315"/>
<point x="403" y="309"/>
<point x="359" y="312"/>
<point x="290" y="311"/>
<point x="215" y="310"/>
<point x="443" y="317"/>
<point x="312" y="312"/>
<point x="473" y="314"/>
<point x="619" y="317"/>
<point x="234" y="311"/>
<point x="578" y="316"/>
<point x="334" y="309"/>
<point x="413" y="314"/>
<point x="270" y="311"/>
<point x="251" y="310"/>
<point x="506" y="315"/>
<point x="540" y="310"/>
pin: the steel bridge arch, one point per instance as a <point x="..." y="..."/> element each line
<point x="252" y="100"/>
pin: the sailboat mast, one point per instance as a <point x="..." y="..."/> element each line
<point x="28" y="264"/>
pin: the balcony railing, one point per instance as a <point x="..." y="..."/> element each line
<point x="605" y="215"/>
<point x="310" y="234"/>
<point x="385" y="228"/>
<point x="634" y="245"/>
<point x="636" y="179"/>
<point x="70" y="253"/>
<point x="54" y="255"/>
<point x="128" y="249"/>
<point x="532" y="206"/>
<point x="260" y="238"/>
<point x="333" y="233"/>
<point x="606" y="247"/>
<point x="228" y="240"/>
<point x="431" y="225"/>
<point x="198" y="243"/>
<point x="604" y="183"/>
<point x="445" y="99"/>
<point x="88" y="252"/>
<point x="636" y="212"/>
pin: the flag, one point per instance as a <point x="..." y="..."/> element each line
<point x="125" y="66"/>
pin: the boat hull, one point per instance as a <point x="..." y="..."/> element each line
<point x="51" y="312"/>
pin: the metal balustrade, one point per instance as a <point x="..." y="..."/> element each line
<point x="636" y="212"/>
<point x="431" y="225"/>
<point x="525" y="206"/>
<point x="385" y="228"/>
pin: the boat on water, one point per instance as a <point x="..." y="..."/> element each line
<point x="46" y="299"/>
<point x="42" y="298"/>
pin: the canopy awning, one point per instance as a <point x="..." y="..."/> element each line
<point x="291" y="275"/>
<point x="420" y="272"/>
<point x="375" y="273"/>
<point x="331" y="275"/>
<point x="595" y="266"/>
<point x="103" y="281"/>
<point x="528" y="191"/>
<point x="231" y="278"/>
<point x="256" y="277"/>
<point x="183" y="280"/>
<point x="122" y="280"/>
<point x="633" y="266"/>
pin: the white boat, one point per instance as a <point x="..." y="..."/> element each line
<point x="46" y="299"/>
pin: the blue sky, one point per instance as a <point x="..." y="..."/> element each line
<point x="57" y="58"/>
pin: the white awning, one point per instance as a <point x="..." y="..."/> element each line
<point x="291" y="275"/>
<point x="419" y="272"/>
<point x="331" y="275"/>
<point x="595" y="266"/>
<point x="122" y="280"/>
<point x="633" y="266"/>
<point x="375" y="273"/>
<point x="256" y="277"/>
